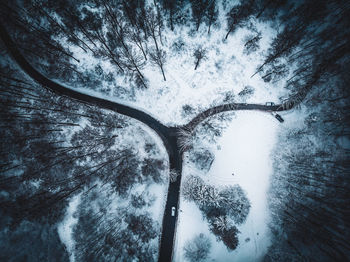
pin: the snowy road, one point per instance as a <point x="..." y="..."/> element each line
<point x="169" y="135"/>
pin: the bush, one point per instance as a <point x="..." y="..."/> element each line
<point x="178" y="46"/>
<point x="229" y="97"/>
<point x="246" y="92"/>
<point x="252" y="43"/>
<point x="198" y="248"/>
<point x="228" y="235"/>
<point x="235" y="202"/>
<point x="203" y="159"/>
<point x="150" y="148"/>
<point x="187" y="110"/>
<point x="152" y="168"/>
<point x="137" y="201"/>
<point x="219" y="207"/>
<point x="142" y="226"/>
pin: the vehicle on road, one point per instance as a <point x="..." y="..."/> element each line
<point x="269" y="103"/>
<point x="278" y="117"/>
<point x="173" y="209"/>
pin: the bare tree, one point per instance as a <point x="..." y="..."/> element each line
<point x="138" y="40"/>
<point x="199" y="54"/>
<point x="238" y="15"/>
<point x="158" y="56"/>
<point x="198" y="11"/>
<point x="252" y="43"/>
<point x="212" y="14"/>
<point x="185" y="139"/>
<point x="117" y="36"/>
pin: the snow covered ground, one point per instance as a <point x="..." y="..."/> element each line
<point x="65" y="228"/>
<point x="134" y="136"/>
<point x="243" y="150"/>
<point x="226" y="70"/>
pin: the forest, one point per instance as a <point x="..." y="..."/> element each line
<point x="79" y="182"/>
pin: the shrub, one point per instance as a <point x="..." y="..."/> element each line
<point x="198" y="248"/>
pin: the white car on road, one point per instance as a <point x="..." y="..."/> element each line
<point x="173" y="209"/>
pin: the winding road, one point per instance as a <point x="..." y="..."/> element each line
<point x="169" y="135"/>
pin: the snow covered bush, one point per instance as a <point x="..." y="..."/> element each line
<point x="252" y="43"/>
<point x="199" y="54"/>
<point x="221" y="223"/>
<point x="246" y="92"/>
<point x="202" y="158"/>
<point x="234" y="200"/>
<point x="187" y="110"/>
<point x="153" y="169"/>
<point x="198" y="248"/>
<point x="106" y="227"/>
<point x="221" y="207"/>
<point x="193" y="188"/>
<point x="138" y="200"/>
<point x="227" y="235"/>
<point x="185" y="139"/>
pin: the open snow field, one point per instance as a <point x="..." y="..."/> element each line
<point x="244" y="149"/>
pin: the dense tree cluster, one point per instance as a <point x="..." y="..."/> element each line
<point x="33" y="145"/>
<point x="107" y="231"/>
<point x="129" y="34"/>
<point x="202" y="158"/>
<point x="221" y="207"/>
<point x="310" y="187"/>
<point x="52" y="149"/>
<point x="126" y="33"/>
<point x="31" y="241"/>
<point x="314" y="38"/>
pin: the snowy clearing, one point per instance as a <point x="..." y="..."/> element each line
<point x="244" y="149"/>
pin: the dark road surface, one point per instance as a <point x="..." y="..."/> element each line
<point x="169" y="135"/>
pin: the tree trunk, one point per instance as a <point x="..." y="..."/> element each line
<point x="263" y="9"/>
<point x="171" y="20"/>
<point x="198" y="24"/>
<point x="197" y="63"/>
<point x="229" y="31"/>
<point x="161" y="67"/>
<point x="209" y="27"/>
